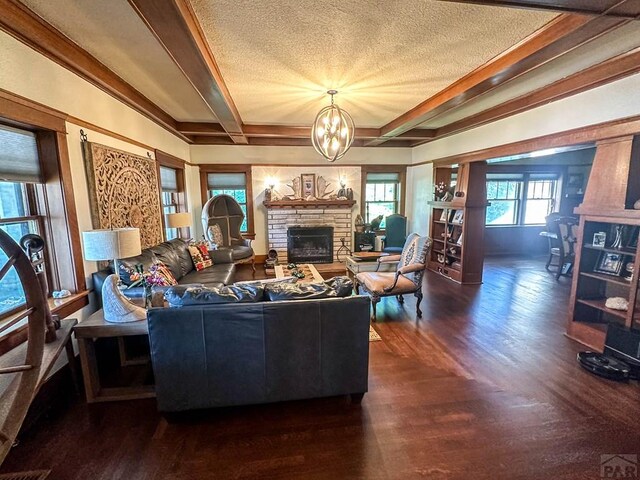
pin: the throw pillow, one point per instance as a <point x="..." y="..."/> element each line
<point x="215" y="235"/>
<point x="157" y="274"/>
<point x="200" y="256"/>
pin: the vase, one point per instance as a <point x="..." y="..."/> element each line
<point x="147" y="296"/>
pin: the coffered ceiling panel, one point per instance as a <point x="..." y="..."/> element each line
<point x="112" y="32"/>
<point x="278" y="57"/>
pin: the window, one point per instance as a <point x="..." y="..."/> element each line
<point x="169" y="187"/>
<point x="382" y="195"/>
<point x="19" y="169"/>
<point x="233" y="184"/>
<point x="520" y="199"/>
<point x="503" y="192"/>
<point x="541" y="194"/>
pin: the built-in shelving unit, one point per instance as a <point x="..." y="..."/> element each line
<point x="609" y="270"/>
<point x="457" y="227"/>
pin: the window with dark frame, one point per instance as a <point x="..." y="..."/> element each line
<point x="233" y="184"/>
<point x="520" y="198"/>
<point x="19" y="172"/>
<point x="382" y="195"/>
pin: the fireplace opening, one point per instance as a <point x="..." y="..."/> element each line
<point x="310" y="244"/>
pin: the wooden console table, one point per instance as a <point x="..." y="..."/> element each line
<point x="96" y="327"/>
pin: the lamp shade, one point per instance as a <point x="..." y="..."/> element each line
<point x="177" y="220"/>
<point x="111" y="244"/>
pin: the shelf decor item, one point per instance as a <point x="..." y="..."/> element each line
<point x="617" y="303"/>
<point x="599" y="239"/>
<point x="609" y="263"/>
<point x="617" y="242"/>
<point x="458" y="217"/>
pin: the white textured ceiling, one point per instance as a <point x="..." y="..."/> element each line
<point x="112" y="32"/>
<point x="278" y="57"/>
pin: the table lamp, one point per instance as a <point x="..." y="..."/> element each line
<point x="177" y="220"/>
<point x="111" y="244"/>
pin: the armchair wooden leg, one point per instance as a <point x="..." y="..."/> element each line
<point x="418" y="295"/>
<point x="374" y="300"/>
<point x="253" y="265"/>
<point x="549" y="262"/>
<point x="400" y="299"/>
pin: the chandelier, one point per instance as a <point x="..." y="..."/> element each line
<point x="332" y="132"/>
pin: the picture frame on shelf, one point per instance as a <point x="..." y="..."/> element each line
<point x="459" y="241"/>
<point x="458" y="217"/>
<point x="609" y="263"/>
<point x="576" y="180"/>
<point x="599" y="239"/>
<point x="308" y="181"/>
<point x="443" y="216"/>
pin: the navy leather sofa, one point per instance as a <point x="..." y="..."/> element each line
<point x="248" y="353"/>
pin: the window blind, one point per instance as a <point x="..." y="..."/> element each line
<point x="168" y="179"/>
<point x="390" y="177"/>
<point x="226" y="181"/>
<point x="19" y="160"/>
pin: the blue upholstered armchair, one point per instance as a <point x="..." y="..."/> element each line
<point x="396" y="228"/>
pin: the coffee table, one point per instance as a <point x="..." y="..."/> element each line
<point x="94" y="327"/>
<point x="311" y="273"/>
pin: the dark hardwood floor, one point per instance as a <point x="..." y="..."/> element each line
<point x="484" y="386"/>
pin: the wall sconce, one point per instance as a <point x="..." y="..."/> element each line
<point x="270" y="189"/>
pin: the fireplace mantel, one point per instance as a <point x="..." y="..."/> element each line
<point x="298" y="204"/>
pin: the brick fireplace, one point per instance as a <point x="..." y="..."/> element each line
<point x="282" y="215"/>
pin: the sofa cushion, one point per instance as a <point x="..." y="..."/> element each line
<point x="166" y="253"/>
<point x="334" y="287"/>
<point x="200" y="257"/>
<point x="219" y="274"/>
<point x="180" y="247"/>
<point x="185" y="295"/>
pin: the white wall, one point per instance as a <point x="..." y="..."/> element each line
<point x="29" y="74"/>
<point x="284" y="163"/>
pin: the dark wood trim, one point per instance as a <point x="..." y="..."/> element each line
<point x="230" y="168"/>
<point x="25" y="113"/>
<point x="559" y="36"/>
<point x="57" y="204"/>
<point x="606" y="72"/>
<point x="400" y="169"/>
<point x="290" y="142"/>
<point x="279" y="204"/>
<point x="176" y="27"/>
<point x="616" y="8"/>
<point x="26" y="26"/>
<point x="577" y="136"/>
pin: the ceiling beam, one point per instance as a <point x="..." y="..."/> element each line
<point x="558" y="37"/>
<point x="288" y="131"/>
<point x="629" y="9"/>
<point x="27" y="27"/>
<point x="176" y="27"/>
<point x="285" y="142"/>
<point x="597" y="75"/>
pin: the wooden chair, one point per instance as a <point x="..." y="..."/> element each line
<point x="562" y="238"/>
<point x="406" y="279"/>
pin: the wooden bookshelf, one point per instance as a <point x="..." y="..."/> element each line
<point x="600" y="271"/>
<point x="457" y="228"/>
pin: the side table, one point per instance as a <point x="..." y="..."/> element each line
<point x="95" y="327"/>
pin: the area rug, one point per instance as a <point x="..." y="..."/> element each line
<point x="373" y="335"/>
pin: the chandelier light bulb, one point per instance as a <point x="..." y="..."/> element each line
<point x="333" y="131"/>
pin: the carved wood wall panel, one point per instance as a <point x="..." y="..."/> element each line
<point x="124" y="191"/>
